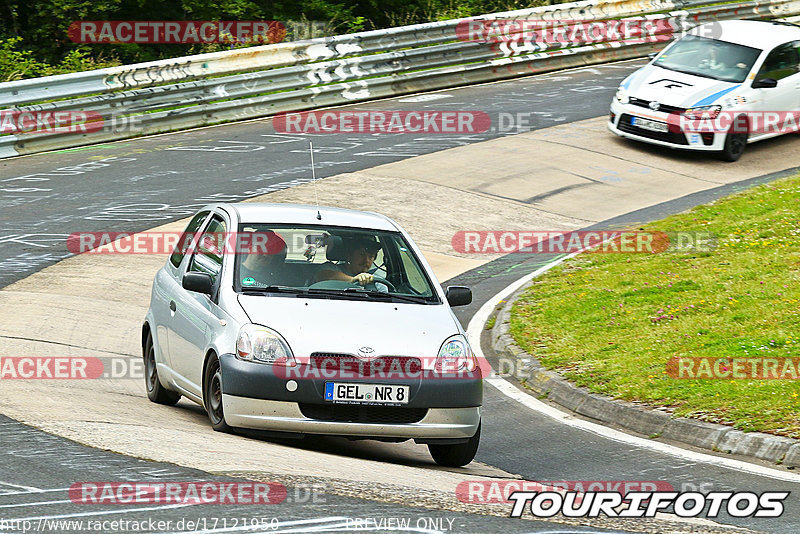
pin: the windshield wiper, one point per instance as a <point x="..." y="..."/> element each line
<point x="375" y="293"/>
<point x="364" y="293"/>
<point x="273" y="289"/>
<point x="330" y="292"/>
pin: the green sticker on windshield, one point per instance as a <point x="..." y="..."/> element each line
<point x="248" y="281"/>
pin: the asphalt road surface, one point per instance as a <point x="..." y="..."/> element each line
<point x="49" y="465"/>
<point x="134" y="185"/>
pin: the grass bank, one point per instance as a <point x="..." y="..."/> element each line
<point x="611" y="322"/>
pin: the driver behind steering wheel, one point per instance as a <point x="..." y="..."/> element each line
<point x="360" y="255"/>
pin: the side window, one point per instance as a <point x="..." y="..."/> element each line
<point x="781" y="62"/>
<point x="210" y="249"/>
<point x="186" y="238"/>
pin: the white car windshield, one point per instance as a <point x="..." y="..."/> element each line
<point x="325" y="260"/>
<point x="709" y="58"/>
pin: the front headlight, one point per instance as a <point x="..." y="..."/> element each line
<point x="258" y="343"/>
<point x="455" y="355"/>
<point x="622" y="96"/>
<point x="703" y="112"/>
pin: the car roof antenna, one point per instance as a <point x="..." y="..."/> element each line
<point x="314" y="178"/>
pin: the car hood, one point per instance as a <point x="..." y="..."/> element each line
<point x="345" y="326"/>
<point x="675" y="88"/>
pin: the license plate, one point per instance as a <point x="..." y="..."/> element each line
<point x="366" y="393"/>
<point x="653" y="126"/>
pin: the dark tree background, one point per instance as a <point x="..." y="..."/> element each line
<point x="34" y="42"/>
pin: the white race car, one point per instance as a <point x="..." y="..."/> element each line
<point x="717" y="88"/>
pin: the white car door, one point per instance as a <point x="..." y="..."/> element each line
<point x="194" y="312"/>
<point x="783" y="65"/>
<point x="165" y="288"/>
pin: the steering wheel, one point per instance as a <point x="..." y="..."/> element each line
<point x="383" y="281"/>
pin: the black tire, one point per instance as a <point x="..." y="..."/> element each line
<point x="456" y="455"/>
<point x="212" y="395"/>
<point x="155" y="391"/>
<point x="735" y="144"/>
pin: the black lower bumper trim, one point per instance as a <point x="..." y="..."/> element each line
<point x="355" y="413"/>
<point x="267" y="382"/>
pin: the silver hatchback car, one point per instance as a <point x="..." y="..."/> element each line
<point x="313" y="320"/>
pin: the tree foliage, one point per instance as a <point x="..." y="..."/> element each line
<point x="34" y="41"/>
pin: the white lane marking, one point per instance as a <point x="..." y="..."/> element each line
<point x="28" y="488"/>
<point x="38" y="503"/>
<point x="425" y="98"/>
<point x="474" y="330"/>
<point x="104" y="512"/>
<point x="349" y="526"/>
<point x="33" y="491"/>
<point x="334" y="527"/>
<point x="269" y="527"/>
<point x="20" y="505"/>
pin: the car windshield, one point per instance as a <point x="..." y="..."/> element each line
<point x="709" y="58"/>
<point x="325" y="261"/>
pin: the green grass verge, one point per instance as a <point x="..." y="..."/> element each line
<point x="610" y="322"/>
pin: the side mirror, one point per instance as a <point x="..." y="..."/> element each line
<point x="198" y="282"/>
<point x="765" y="83"/>
<point x="458" y="295"/>
<point x="651" y="55"/>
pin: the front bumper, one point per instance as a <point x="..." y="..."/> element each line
<point x="268" y="397"/>
<point x="621" y="126"/>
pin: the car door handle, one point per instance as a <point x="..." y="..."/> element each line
<point x="172" y="305"/>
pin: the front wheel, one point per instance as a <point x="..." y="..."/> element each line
<point x="155" y="391"/>
<point x="735" y="143"/>
<point x="212" y="395"/>
<point x="456" y="455"/>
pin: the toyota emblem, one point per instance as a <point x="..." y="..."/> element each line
<point x="654" y="105"/>
<point x="366" y="351"/>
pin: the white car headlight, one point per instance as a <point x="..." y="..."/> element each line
<point x="258" y="343"/>
<point x="622" y="96"/>
<point x="455" y="355"/>
<point x="703" y="112"/>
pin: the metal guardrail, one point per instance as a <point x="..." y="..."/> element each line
<point x="260" y="81"/>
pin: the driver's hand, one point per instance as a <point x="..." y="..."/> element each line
<point x="362" y="278"/>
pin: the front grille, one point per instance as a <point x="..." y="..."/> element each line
<point x="661" y="107"/>
<point x="625" y="125"/>
<point x="357" y="413"/>
<point x="388" y="366"/>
